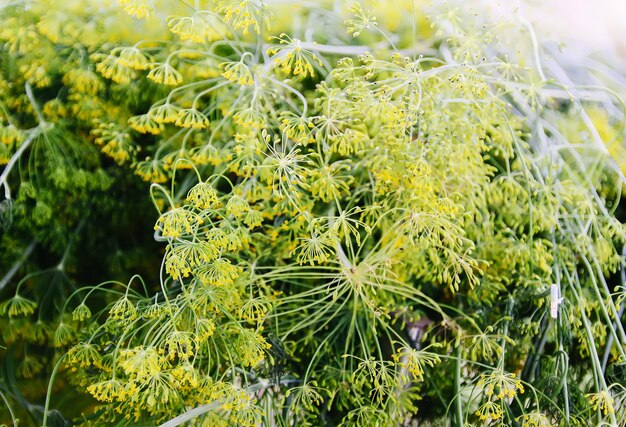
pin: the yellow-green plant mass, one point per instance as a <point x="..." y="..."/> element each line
<point x="249" y="212"/>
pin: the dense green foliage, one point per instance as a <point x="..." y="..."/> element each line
<point x="244" y="213"/>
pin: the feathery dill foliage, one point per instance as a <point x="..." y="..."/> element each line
<point x="365" y="213"/>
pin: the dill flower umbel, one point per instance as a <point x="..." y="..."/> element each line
<point x="63" y="334"/>
<point x="187" y="27"/>
<point x="237" y="206"/>
<point x="177" y="222"/>
<point x="500" y="384"/>
<point x="243" y="14"/>
<point x="192" y="118"/>
<point x="298" y="128"/>
<point x="201" y="26"/>
<point x="18" y="306"/>
<point x="29" y="367"/>
<point x="178" y="159"/>
<point x="489" y="411"/>
<point x="37" y="74"/>
<point x="180" y="344"/>
<point x="111" y="67"/>
<point x="137" y="8"/>
<point x="204" y="329"/>
<point x="238" y="239"/>
<point x="217" y="238"/>
<point x="317" y="248"/>
<point x="84" y="81"/>
<point x="115" y="141"/>
<point x="81" y="312"/>
<point x="187" y="377"/>
<point x="415" y="361"/>
<point x="253" y="218"/>
<point x="123" y="309"/>
<point x="151" y="170"/>
<point x="534" y="419"/>
<point x="254" y="311"/>
<point x="250" y="117"/>
<point x="83" y="355"/>
<point x="41" y="331"/>
<point x="329" y="181"/>
<point x="164" y="113"/>
<point x="220" y="272"/>
<point x="165" y="74"/>
<point x="292" y="58"/>
<point x="10" y="135"/>
<point x="107" y="391"/>
<point x="184" y="256"/>
<point x="134" y="58"/>
<point x="202" y="195"/>
<point x="177" y="266"/>
<point x="237" y="72"/>
<point x="144" y="123"/>
<point x="140" y="362"/>
<point x="362" y="20"/>
<point x="251" y="347"/>
<point x="602" y="401"/>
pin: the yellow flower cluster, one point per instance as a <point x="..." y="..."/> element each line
<point x="362" y="20"/>
<point x="192" y="118"/>
<point x="84" y="81"/>
<point x="489" y="412"/>
<point x="64" y="334"/>
<point x="250" y="118"/>
<point x="10" y="135"/>
<point x="330" y="182"/>
<point x="164" y="113"/>
<point x="165" y="73"/>
<point x="37" y="74"/>
<point x="415" y="361"/>
<point x="108" y="390"/>
<point x="293" y="58"/>
<point x="202" y="195"/>
<point x="243" y="14"/>
<point x="602" y="401"/>
<point x="84" y="355"/>
<point x="202" y="26"/>
<point x="205" y="328"/>
<point x="220" y="272"/>
<point x="144" y="123"/>
<point x="177" y="222"/>
<point x="151" y="170"/>
<point x="254" y="311"/>
<point x="237" y="72"/>
<point x="297" y="128"/>
<point x="114" y="68"/>
<point x="137" y="8"/>
<point x="500" y="384"/>
<point x="81" y="312"/>
<point x="123" y="310"/>
<point x="29" y="367"/>
<point x="251" y="347"/>
<point x="133" y="57"/>
<point x="18" y="306"/>
<point x="534" y="419"/>
<point x="116" y="142"/>
<point x="179" y="344"/>
<point x="184" y="256"/>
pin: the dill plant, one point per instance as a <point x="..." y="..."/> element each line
<point x="350" y="202"/>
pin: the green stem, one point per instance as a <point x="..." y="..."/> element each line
<point x="457" y="388"/>
<point x="49" y="392"/>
